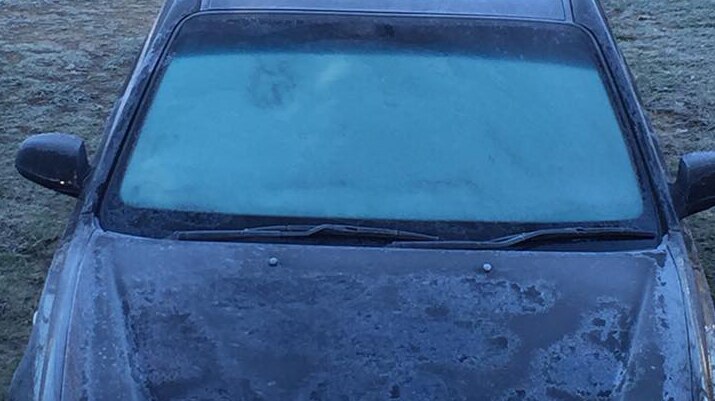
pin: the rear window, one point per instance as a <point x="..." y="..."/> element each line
<point x="390" y="119"/>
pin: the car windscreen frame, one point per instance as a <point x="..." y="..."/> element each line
<point x="115" y="216"/>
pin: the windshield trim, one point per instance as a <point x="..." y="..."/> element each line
<point x="651" y="214"/>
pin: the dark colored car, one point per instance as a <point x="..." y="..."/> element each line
<point x="371" y="200"/>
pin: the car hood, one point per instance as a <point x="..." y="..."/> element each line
<point x="167" y="320"/>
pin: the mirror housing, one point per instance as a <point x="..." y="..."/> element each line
<point x="694" y="188"/>
<point x="55" y="161"/>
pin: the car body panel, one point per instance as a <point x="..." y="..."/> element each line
<point x="100" y="328"/>
<point x="536" y="9"/>
<point x="157" y="319"/>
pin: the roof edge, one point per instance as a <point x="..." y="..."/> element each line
<point x="553" y="10"/>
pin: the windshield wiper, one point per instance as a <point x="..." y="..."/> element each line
<point x="303" y="231"/>
<point x="548" y="235"/>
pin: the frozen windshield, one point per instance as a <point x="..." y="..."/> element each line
<point x="388" y="121"/>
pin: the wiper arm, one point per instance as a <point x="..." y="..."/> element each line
<point x="303" y="231"/>
<point x="548" y="235"/>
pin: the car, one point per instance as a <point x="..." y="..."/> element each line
<point x="371" y="200"/>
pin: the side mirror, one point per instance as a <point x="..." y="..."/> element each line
<point x="56" y="161"/>
<point x="694" y="188"/>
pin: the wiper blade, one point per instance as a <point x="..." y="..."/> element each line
<point x="303" y="231"/>
<point x="549" y="235"/>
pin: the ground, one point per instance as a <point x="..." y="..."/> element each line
<point x="63" y="62"/>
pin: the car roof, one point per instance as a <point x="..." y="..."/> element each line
<point x="555" y="10"/>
